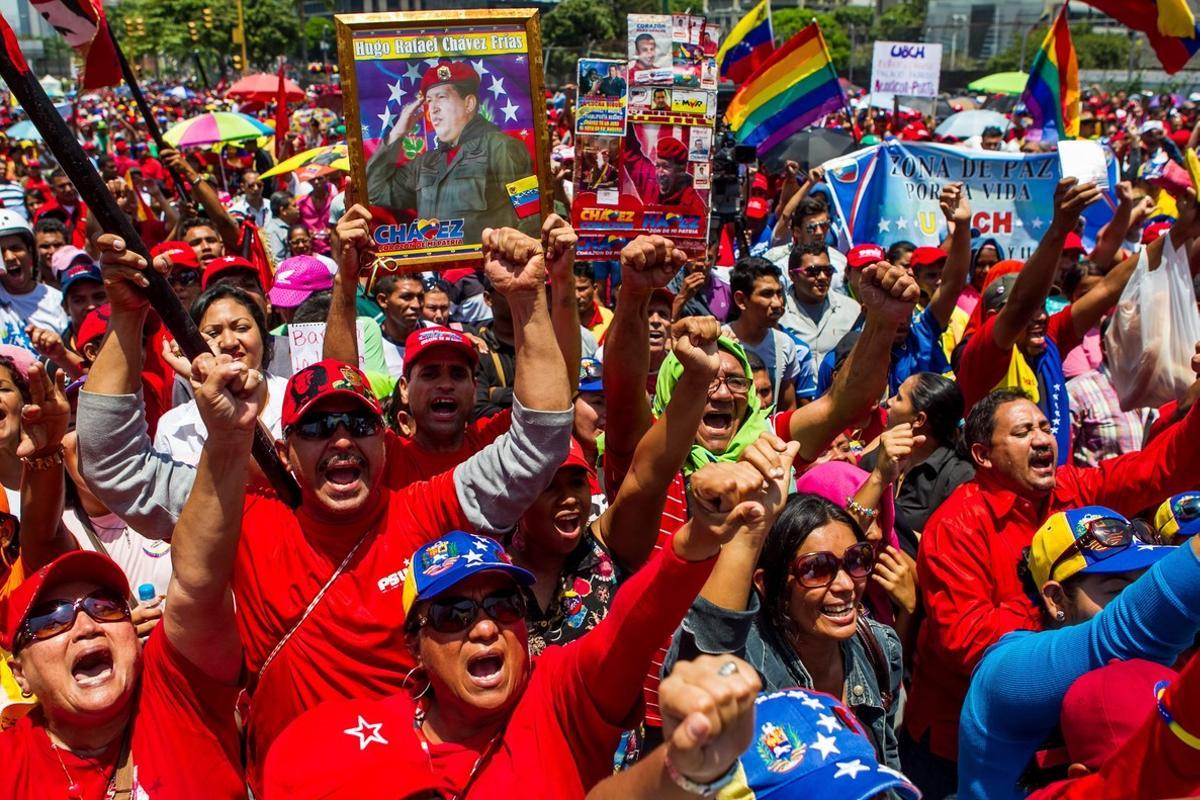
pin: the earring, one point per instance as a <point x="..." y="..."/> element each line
<point x="1060" y="616"/>
<point x="26" y="693"/>
<point x="428" y="683"/>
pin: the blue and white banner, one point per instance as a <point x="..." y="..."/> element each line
<point x="889" y="193"/>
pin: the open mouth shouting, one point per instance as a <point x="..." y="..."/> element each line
<point x="345" y="472"/>
<point x="443" y="409"/>
<point x="93" y="666"/>
<point x="1041" y="462"/>
<point x="486" y="669"/>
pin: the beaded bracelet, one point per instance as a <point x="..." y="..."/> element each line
<point x="1189" y="739"/>
<point x="36" y="463"/>
<point x="857" y="508"/>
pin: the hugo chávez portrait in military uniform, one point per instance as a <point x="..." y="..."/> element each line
<point x="468" y="174"/>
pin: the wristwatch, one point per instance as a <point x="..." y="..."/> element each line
<point x="699" y="789"/>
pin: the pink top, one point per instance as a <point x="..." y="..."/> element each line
<point x="1084" y="358"/>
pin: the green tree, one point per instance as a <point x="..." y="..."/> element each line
<point x="903" y="22"/>
<point x="787" y="22"/>
<point x="1092" y="50"/>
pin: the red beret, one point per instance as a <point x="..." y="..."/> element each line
<point x="672" y="149"/>
<point x="927" y="256"/>
<point x="447" y="71"/>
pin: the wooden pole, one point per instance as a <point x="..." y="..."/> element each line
<point x="74" y="162"/>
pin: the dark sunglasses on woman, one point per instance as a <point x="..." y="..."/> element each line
<point x="359" y="424"/>
<point x="53" y="617"/>
<point x="820" y="569"/>
<point x="457" y="614"/>
<point x="1107" y="536"/>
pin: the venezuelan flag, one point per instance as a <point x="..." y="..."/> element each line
<point x="1052" y="93"/>
<point x="748" y="45"/>
<point x="1165" y="23"/>
<point x="794" y="88"/>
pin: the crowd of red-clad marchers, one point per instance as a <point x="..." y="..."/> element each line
<point x="819" y="521"/>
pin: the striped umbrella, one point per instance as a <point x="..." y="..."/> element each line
<point x="299" y="160"/>
<point x="215" y="127"/>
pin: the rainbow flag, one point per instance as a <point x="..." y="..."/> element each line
<point x="1052" y="92"/>
<point x="1163" y="23"/>
<point x="793" y="88"/>
<point x="748" y="45"/>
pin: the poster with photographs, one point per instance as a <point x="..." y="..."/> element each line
<point x="657" y="177"/>
<point x="446" y="130"/>
<point x="602" y="96"/>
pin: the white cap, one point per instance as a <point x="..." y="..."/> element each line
<point x="1151" y="125"/>
<point x="11" y="222"/>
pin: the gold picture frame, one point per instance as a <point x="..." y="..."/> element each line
<point x="431" y="196"/>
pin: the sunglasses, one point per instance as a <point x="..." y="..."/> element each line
<point x="457" y="614"/>
<point x="736" y="384"/>
<point x="818" y="570"/>
<point x="360" y="424"/>
<point x="815" y="271"/>
<point x="184" y="277"/>
<point x="1188" y="508"/>
<point x="1107" y="536"/>
<point x="813" y="227"/>
<point x="47" y="620"/>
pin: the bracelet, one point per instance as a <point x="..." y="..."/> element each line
<point x="42" y="463"/>
<point x="1191" y="740"/>
<point x="858" y="509"/>
<point x="700" y="789"/>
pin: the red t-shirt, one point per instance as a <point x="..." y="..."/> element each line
<point x="983" y="365"/>
<point x="408" y="462"/>
<point x="185" y="741"/>
<point x="558" y="741"/>
<point x="352" y="644"/>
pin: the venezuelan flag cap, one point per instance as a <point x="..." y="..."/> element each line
<point x="1178" y="517"/>
<point x="1112" y="546"/>
<point x="808" y="745"/>
<point x="447" y="561"/>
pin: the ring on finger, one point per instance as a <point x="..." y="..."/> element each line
<point x="727" y="669"/>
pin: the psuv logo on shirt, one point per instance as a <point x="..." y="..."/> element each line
<point x="393" y="581"/>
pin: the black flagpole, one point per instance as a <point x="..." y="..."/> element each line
<point x="74" y="162"/>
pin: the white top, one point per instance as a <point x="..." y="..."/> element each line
<point x="181" y="432"/>
<point x="142" y="560"/>
<point x="41" y="307"/>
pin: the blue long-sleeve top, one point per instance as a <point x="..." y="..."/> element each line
<point x="1017" y="690"/>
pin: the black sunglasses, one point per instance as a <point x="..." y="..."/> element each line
<point x="818" y="570"/>
<point x="360" y="424"/>
<point x="1107" y="536"/>
<point x="813" y="271"/>
<point x="184" y="277"/>
<point x="456" y="614"/>
<point x="47" y="620"/>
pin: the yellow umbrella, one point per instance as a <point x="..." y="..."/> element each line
<point x="299" y="160"/>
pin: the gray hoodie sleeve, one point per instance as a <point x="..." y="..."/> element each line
<point x="496" y="485"/>
<point x="142" y="486"/>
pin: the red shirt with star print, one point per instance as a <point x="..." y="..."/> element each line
<point x="185" y="741"/>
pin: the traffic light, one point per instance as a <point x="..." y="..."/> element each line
<point x="237" y="62"/>
<point x="193" y="32"/>
<point x="207" y="14"/>
<point x="141" y="26"/>
<point x="129" y="30"/>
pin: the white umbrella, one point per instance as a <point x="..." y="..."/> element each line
<point x="966" y="124"/>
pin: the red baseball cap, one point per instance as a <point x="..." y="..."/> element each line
<point x="328" y="378"/>
<point x="80" y="565"/>
<point x="864" y="255"/>
<point x="93" y="326"/>
<point x="224" y="264"/>
<point x="342" y="750"/>
<point x="1105" y="707"/>
<point x="576" y="458"/>
<point x="1154" y="231"/>
<point x="447" y="71"/>
<point x="756" y="208"/>
<point x="423" y="341"/>
<point x="1073" y="244"/>
<point x="180" y="253"/>
<point x="759" y="182"/>
<point x="927" y="256"/>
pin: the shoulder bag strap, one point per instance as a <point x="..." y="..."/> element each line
<point x="879" y="663"/>
<point x="122" y="781"/>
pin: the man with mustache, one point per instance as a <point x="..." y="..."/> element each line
<point x="318" y="586"/>
<point x="967" y="561"/>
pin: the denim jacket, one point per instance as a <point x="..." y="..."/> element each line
<point x="708" y="628"/>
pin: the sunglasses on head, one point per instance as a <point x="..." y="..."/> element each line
<point x="359" y="424"/>
<point x="49" y="619"/>
<point x="457" y="614"/>
<point x="820" y="569"/>
<point x="1188" y="508"/>
<point x="1107" y="536"/>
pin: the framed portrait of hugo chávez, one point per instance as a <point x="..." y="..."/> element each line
<point x="446" y="129"/>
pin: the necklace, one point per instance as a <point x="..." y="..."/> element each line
<point x="492" y="745"/>
<point x="74" y="790"/>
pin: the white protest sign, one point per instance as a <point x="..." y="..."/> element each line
<point x="905" y="68"/>
<point x="306" y="340"/>
<point x="1085" y="160"/>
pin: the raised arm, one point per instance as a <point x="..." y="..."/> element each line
<point x="957" y="209"/>
<point x="43" y="425"/>
<point x="647" y="263"/>
<point x="1036" y="277"/>
<point x="205" y="195"/>
<point x="351" y="246"/>
<point x="783" y="221"/>
<point x="888" y="295"/>
<point x="558" y="242"/>
<point x="1113" y="234"/>
<point x="629" y="527"/>
<point x="199" y="615"/>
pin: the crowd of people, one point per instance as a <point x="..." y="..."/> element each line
<point x="795" y="519"/>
